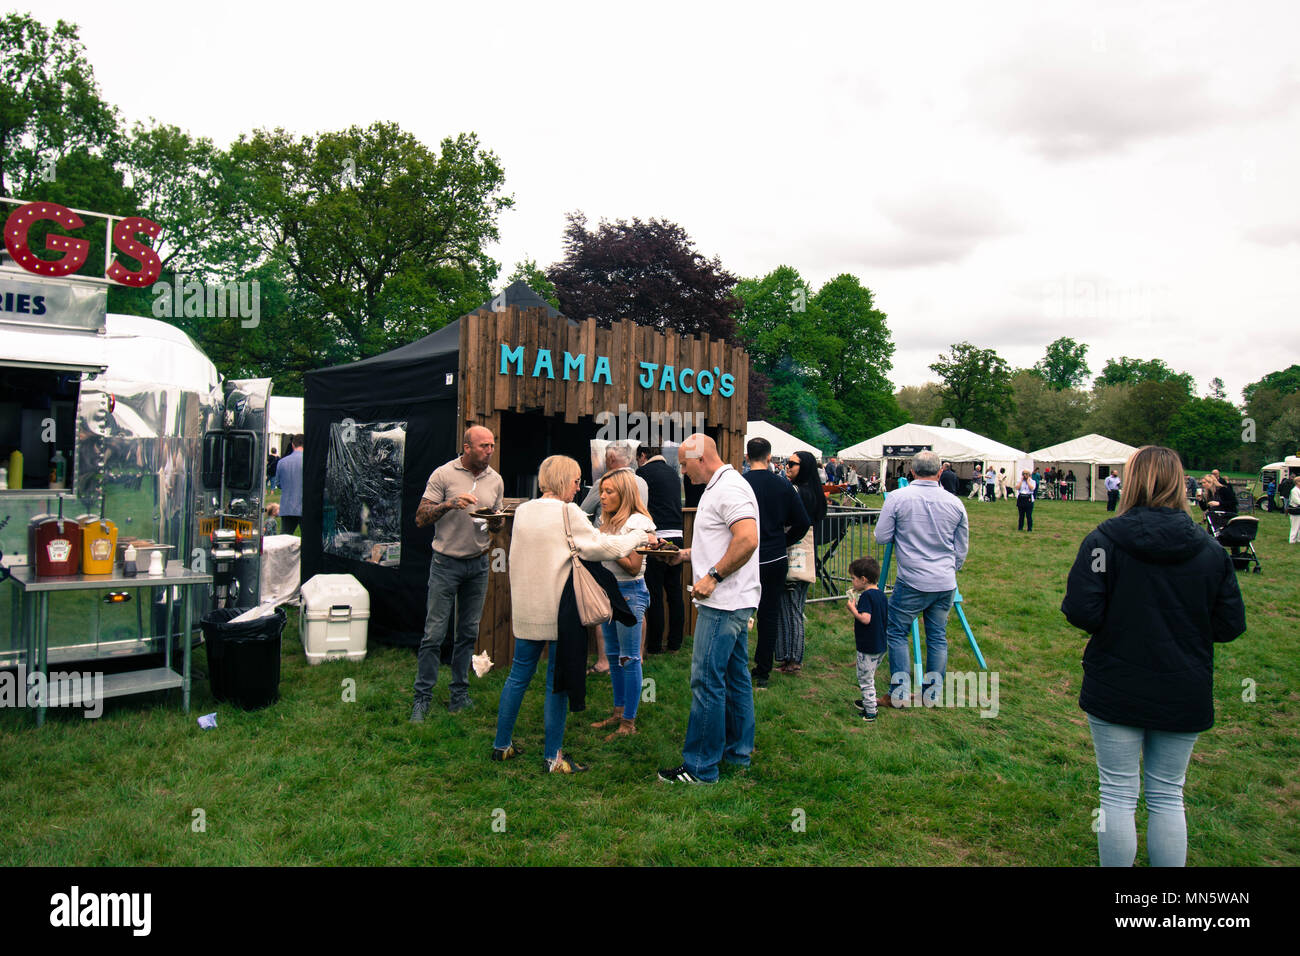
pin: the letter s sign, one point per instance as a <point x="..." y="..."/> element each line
<point x="124" y="241"/>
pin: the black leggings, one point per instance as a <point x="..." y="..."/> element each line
<point x="771" y="577"/>
<point x="1025" y="505"/>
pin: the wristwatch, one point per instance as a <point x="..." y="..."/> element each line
<point x="715" y="574"/>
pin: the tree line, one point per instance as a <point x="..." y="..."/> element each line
<point x="1132" y="400"/>
<point x="364" y="239"/>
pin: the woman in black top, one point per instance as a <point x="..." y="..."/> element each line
<point x="801" y="469"/>
<point x="1155" y="593"/>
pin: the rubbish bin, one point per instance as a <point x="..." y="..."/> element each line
<point x="244" y="659"/>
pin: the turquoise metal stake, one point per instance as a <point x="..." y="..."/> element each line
<point x="961" y="615"/>
<point x="916" y="627"/>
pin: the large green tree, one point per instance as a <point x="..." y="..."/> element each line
<point x="976" y="389"/>
<point x="50" y="107"/>
<point x="1133" y="371"/>
<point x="1065" y="365"/>
<point x="826" y="355"/>
<point x="921" y="404"/>
<point x="1137" y="414"/>
<point x="535" y="279"/>
<point x="1286" y="381"/>
<point x="778" y="328"/>
<point x="1205" y="431"/>
<point x="382" y="239"/>
<point x="1044" y="415"/>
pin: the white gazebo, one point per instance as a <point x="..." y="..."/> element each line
<point x="783" y="443"/>
<point x="283" y="422"/>
<point x="1089" y="450"/>
<point x="960" y="446"/>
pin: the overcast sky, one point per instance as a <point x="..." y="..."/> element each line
<point x="1126" y="174"/>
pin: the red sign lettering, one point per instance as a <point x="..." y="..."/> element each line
<point x="75" y="250"/>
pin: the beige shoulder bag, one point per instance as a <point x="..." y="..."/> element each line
<point x="593" y="602"/>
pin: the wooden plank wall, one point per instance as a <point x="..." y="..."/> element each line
<point x="485" y="393"/>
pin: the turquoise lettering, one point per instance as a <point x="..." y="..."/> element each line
<point x="509" y="355"/>
<point x="727" y="388"/>
<point x="648" y="374"/>
<point x="579" y="363"/>
<point x="543" y="360"/>
<point x="602" y="368"/>
<point x="682" y="380"/>
<point x="704" y="382"/>
<point x="669" y="379"/>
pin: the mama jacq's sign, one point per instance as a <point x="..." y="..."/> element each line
<point x="121" y="234"/>
<point x="652" y="375"/>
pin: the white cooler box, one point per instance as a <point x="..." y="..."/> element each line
<point x="334" y="618"/>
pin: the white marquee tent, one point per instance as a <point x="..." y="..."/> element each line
<point x="960" y="446"/>
<point x="284" y="421"/>
<point x="783" y="443"/>
<point x="1089" y="450"/>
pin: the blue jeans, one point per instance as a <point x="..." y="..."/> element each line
<point x="556" y="709"/>
<point x="905" y="603"/>
<point x="623" y="643"/>
<point x="462" y="581"/>
<point x="1166" y="754"/>
<point x="721" y="725"/>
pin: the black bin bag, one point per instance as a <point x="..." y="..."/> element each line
<point x="244" y="659"/>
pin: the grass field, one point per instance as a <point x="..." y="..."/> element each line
<point x="317" y="780"/>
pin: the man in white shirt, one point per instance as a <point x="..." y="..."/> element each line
<point x="724" y="563"/>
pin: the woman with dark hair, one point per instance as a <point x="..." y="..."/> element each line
<point x="1155" y="593"/>
<point x="801" y="469"/>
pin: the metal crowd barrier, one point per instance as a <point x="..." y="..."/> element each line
<point x="845" y="535"/>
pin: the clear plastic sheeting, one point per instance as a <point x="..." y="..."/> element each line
<point x="362" y="515"/>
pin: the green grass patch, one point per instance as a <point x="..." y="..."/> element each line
<point x="317" y="780"/>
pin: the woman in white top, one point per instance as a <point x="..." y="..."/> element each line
<point x="1025" y="500"/>
<point x="1293" y="511"/>
<point x="621" y="511"/>
<point x="539" y="568"/>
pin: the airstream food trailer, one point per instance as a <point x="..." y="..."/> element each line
<point x="154" y="442"/>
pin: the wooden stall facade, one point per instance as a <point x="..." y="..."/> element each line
<point x="546" y="380"/>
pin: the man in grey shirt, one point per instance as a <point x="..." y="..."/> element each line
<point x="618" y="456"/>
<point x="458" y="572"/>
<point x="931" y="536"/>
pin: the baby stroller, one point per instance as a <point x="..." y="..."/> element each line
<point x="1237" y="534"/>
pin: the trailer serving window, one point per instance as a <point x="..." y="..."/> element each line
<point x="38" y="414"/>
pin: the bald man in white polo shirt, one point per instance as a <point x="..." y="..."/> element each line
<point x="724" y="563"/>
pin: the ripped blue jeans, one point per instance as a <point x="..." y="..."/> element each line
<point x="623" y="648"/>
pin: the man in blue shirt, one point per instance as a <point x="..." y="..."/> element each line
<point x="1112" y="490"/>
<point x="931" y="536"/>
<point x="289" y="473"/>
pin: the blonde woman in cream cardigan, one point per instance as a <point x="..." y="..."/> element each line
<point x="539" y="569"/>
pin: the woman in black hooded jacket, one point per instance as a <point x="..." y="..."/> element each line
<point x="1155" y="593"/>
<point x="801" y="469"/>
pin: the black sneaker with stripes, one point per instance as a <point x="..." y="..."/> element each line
<point x="681" y="775"/>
